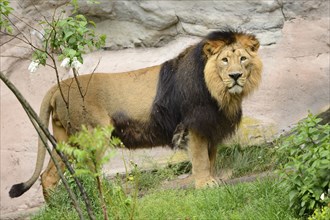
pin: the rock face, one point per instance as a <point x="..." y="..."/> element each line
<point x="153" y="23"/>
<point x="295" y="52"/>
<point x="130" y="24"/>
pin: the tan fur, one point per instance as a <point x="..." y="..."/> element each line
<point x="133" y="93"/>
<point x="114" y="94"/>
<point x="217" y="73"/>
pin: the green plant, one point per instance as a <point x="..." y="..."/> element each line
<point x="252" y="201"/>
<point x="90" y="150"/>
<point x="245" y="160"/>
<point x="306" y="172"/>
<point x="118" y="204"/>
<point x="5" y="10"/>
<point x="258" y="200"/>
<point x="321" y="214"/>
<point x="69" y="36"/>
<point x="63" y="37"/>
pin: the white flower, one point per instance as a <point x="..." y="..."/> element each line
<point x="322" y="196"/>
<point x="66" y="63"/>
<point x="75" y="63"/>
<point x="34" y="66"/>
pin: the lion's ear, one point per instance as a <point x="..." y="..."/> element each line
<point x="255" y="45"/>
<point x="212" y="47"/>
<point x="248" y="41"/>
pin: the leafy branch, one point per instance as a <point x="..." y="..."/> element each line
<point x="45" y="135"/>
<point x="63" y="39"/>
<point x="306" y="173"/>
<point x="90" y="157"/>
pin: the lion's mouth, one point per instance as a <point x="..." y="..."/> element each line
<point x="235" y="89"/>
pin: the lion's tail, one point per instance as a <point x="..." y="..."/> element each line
<point x="45" y="110"/>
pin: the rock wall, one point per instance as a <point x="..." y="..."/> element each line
<point x="154" y="23"/>
<point x="145" y="23"/>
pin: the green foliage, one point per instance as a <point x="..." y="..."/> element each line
<point x="259" y="200"/>
<point x="306" y="172"/>
<point x="245" y="160"/>
<point x="119" y="205"/>
<point x="5" y="10"/>
<point x="90" y="149"/>
<point x="70" y="37"/>
<point x="321" y="214"/>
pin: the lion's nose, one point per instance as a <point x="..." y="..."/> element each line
<point x="235" y="76"/>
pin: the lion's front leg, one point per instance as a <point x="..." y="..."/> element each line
<point x="202" y="161"/>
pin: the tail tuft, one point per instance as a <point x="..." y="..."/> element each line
<point x="18" y="190"/>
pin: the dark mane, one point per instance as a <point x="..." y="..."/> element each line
<point x="227" y="36"/>
<point x="182" y="98"/>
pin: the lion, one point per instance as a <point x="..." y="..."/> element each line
<point x="196" y="96"/>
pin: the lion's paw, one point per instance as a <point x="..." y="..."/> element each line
<point x="205" y="183"/>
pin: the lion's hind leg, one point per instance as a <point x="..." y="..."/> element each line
<point x="50" y="177"/>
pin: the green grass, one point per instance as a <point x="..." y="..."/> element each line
<point x="259" y="200"/>
<point x="246" y="160"/>
<point x="120" y="205"/>
<point x="265" y="199"/>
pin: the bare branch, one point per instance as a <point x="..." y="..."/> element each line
<point x="20" y="31"/>
<point x="58" y="80"/>
<point x="15" y="36"/>
<point x="24" y="58"/>
<point x="27" y="24"/>
<point x="89" y="80"/>
<point x="42" y="15"/>
<point x="75" y="74"/>
<point x="12" y="38"/>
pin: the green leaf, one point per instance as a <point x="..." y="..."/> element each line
<point x="293" y="194"/>
<point x="68" y="34"/>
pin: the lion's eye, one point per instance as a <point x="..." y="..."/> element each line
<point x="225" y="60"/>
<point x="243" y="58"/>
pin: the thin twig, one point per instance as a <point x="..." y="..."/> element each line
<point x="16" y="37"/>
<point x="103" y="204"/>
<point x="89" y="80"/>
<point x="20" y="31"/>
<point x="75" y="74"/>
<point x="42" y="15"/>
<point x="27" y="24"/>
<point x="12" y="38"/>
<point x="58" y="80"/>
<point x="24" y="58"/>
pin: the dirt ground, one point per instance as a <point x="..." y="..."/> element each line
<point x="295" y="80"/>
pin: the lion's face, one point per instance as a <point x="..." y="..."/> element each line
<point x="232" y="70"/>
<point x="234" y="67"/>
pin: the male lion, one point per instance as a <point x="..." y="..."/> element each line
<point x="200" y="91"/>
